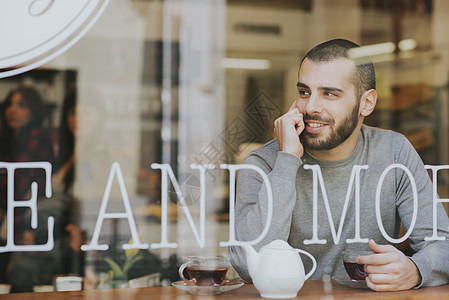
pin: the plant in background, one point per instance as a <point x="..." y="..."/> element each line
<point x="118" y="276"/>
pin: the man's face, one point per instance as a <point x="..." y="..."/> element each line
<point x="326" y="98"/>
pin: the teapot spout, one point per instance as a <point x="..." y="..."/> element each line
<point x="252" y="259"/>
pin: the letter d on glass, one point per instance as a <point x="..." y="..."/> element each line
<point x="232" y="170"/>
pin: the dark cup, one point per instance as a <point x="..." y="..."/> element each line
<point x="205" y="271"/>
<point x="355" y="271"/>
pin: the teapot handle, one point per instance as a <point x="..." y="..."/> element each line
<point x="313" y="261"/>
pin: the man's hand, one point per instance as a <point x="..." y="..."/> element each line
<point x="389" y="269"/>
<point x="287" y="129"/>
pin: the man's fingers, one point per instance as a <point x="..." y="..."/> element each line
<point x="287" y="129"/>
<point x="380" y="278"/>
<point x="380" y="248"/>
<point x="386" y="282"/>
<point x="383" y="254"/>
<point x="293" y="117"/>
<point x="292" y="106"/>
<point x="375" y="259"/>
<point x="300" y="125"/>
<point x="287" y="116"/>
<point x="292" y="111"/>
<point x="389" y="269"/>
<point x="380" y="287"/>
<point x="379" y="269"/>
<point x="300" y="128"/>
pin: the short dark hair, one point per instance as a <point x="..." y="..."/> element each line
<point x="364" y="77"/>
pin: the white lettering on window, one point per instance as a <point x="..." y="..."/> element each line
<point x="436" y="200"/>
<point x="31" y="203"/>
<point x="128" y="214"/>
<point x="318" y="178"/>
<point x="415" y="203"/>
<point x="168" y="172"/>
<point x="232" y="170"/>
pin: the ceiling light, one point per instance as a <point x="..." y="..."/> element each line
<point x="372" y="50"/>
<point x="246" y="63"/>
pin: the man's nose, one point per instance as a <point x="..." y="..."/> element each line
<point x="314" y="105"/>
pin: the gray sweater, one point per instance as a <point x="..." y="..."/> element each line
<point x="292" y="207"/>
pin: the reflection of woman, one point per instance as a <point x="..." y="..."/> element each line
<point x="22" y="139"/>
<point x="28" y="269"/>
<point x="65" y="174"/>
<point x="62" y="181"/>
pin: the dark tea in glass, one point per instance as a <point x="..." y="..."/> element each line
<point x="355" y="271"/>
<point x="203" y="275"/>
<point x="205" y="270"/>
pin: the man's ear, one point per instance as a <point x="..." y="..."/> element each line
<point x="368" y="102"/>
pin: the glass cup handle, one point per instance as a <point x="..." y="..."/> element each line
<point x="313" y="261"/>
<point x="181" y="271"/>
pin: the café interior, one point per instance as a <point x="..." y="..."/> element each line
<point x="182" y="82"/>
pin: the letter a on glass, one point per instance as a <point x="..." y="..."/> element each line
<point x="125" y="215"/>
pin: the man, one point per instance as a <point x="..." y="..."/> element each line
<point x="324" y="127"/>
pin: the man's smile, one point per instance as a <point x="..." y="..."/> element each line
<point x="315" y="123"/>
<point x="314" y="127"/>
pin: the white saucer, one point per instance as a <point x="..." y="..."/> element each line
<point x="345" y="280"/>
<point x="189" y="286"/>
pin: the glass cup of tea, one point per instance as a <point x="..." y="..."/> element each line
<point x="205" y="270"/>
<point x="355" y="271"/>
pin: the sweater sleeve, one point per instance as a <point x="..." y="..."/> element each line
<point x="431" y="257"/>
<point x="251" y="204"/>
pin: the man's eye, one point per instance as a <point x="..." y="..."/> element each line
<point x="329" y="94"/>
<point x="302" y="92"/>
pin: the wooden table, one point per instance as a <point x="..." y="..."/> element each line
<point x="312" y="289"/>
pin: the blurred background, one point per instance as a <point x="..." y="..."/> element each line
<point x="194" y="81"/>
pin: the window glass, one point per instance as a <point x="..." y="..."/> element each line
<point x="156" y="86"/>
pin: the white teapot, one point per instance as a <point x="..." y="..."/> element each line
<point x="277" y="270"/>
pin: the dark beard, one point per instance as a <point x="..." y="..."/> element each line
<point x="339" y="135"/>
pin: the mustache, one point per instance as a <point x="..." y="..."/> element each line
<point x="308" y="117"/>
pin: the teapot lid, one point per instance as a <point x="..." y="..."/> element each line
<point x="279" y="245"/>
